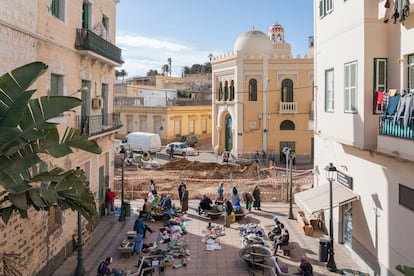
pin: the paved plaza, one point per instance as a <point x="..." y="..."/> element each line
<point x="226" y="261"/>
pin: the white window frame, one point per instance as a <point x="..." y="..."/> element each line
<point x="61" y="9"/>
<point x="143" y="125"/>
<point x="325" y="7"/>
<point x="177" y="128"/>
<point x="380" y="80"/>
<point x="350" y="86"/>
<point x="380" y="65"/>
<point x="410" y="72"/>
<point x="60" y="84"/>
<point x="329" y="91"/>
<point x="192" y="126"/>
<point x="204" y="126"/>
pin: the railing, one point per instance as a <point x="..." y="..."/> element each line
<point x="389" y="128"/>
<point x="288" y="107"/>
<point x="97" y="124"/>
<point x="88" y="40"/>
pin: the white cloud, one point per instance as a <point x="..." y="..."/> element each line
<point x="146" y="42"/>
<point x="142" y="54"/>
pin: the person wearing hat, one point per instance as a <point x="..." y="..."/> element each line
<point x="305" y="268"/>
<point x="103" y="268"/>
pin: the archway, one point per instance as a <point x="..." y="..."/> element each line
<point x="229" y="133"/>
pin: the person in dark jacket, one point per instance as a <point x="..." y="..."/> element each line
<point x="180" y="192"/>
<point x="205" y="204"/>
<point x="184" y="200"/>
<point x="229" y="210"/>
<point x="256" y="196"/>
<point x="103" y="268"/>
<point x="305" y="268"/>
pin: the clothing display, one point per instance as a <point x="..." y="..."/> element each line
<point x="405" y="107"/>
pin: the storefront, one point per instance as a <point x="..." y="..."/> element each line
<point x="317" y="200"/>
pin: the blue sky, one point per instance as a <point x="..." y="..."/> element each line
<point x="149" y="32"/>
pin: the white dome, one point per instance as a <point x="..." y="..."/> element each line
<point x="253" y="42"/>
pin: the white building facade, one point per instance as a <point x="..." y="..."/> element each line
<point x="364" y="57"/>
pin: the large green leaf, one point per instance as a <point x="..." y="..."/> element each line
<point x="25" y="133"/>
<point x="406" y="270"/>
<point x="45" y="108"/>
<point x="13" y="87"/>
<point x="74" y="139"/>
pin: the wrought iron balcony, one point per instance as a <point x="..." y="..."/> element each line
<point x="96" y="124"/>
<point x="88" y="40"/>
<point x="389" y="128"/>
<point x="288" y="107"/>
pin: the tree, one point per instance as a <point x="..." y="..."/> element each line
<point x="169" y="65"/>
<point x="152" y="73"/>
<point x="121" y="73"/>
<point x="164" y="69"/>
<point x="26" y="136"/>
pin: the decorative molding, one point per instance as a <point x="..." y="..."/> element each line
<point x="252" y="76"/>
<point x="287" y="75"/>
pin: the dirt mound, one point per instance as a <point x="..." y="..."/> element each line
<point x="212" y="170"/>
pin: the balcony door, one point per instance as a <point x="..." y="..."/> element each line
<point x="85" y="15"/>
<point x="287" y="91"/>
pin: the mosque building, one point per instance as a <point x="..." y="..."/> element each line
<point x="262" y="97"/>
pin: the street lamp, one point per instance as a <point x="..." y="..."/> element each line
<point x="80" y="268"/>
<point x="122" y="214"/>
<point x="330" y="176"/>
<point x="290" y="154"/>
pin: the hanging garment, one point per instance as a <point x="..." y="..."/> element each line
<point x="401" y="10"/>
<point x="404" y="10"/>
<point x="392" y="105"/>
<point x="404" y="107"/>
<point x="385" y="100"/>
<point x="378" y="101"/>
<point x="389" y="5"/>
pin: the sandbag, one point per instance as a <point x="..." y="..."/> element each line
<point x="232" y="217"/>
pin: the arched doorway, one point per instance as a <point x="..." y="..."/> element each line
<point x="229" y="133"/>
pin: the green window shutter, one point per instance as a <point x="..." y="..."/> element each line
<point x="54" y="85"/>
<point x="321" y="13"/>
<point x="85" y="16"/>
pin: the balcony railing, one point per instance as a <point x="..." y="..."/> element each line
<point x="288" y="107"/>
<point x="389" y="128"/>
<point x="97" y="124"/>
<point x="88" y="40"/>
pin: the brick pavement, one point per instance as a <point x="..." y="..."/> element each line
<point x="226" y="261"/>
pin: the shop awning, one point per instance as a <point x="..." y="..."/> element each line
<point x="315" y="199"/>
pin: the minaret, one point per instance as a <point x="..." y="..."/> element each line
<point x="276" y="33"/>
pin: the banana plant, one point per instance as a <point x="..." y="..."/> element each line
<point x="27" y="136"/>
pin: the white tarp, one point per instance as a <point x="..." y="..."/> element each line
<point x="315" y="199"/>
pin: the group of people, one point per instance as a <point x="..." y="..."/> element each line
<point x="251" y="200"/>
<point x="279" y="232"/>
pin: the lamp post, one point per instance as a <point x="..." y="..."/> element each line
<point x="330" y="176"/>
<point x="289" y="153"/>
<point x="122" y="214"/>
<point x="80" y="268"/>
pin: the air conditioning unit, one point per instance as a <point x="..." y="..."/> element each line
<point x="97" y="103"/>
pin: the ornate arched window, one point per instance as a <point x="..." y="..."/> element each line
<point x="253" y="90"/>
<point x="232" y="90"/>
<point x="220" y="92"/>
<point x="287" y="125"/>
<point x="226" y="90"/>
<point x="287" y="91"/>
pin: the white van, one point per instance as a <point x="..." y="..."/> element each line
<point x="142" y="142"/>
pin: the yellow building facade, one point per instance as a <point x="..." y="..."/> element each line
<point x="76" y="39"/>
<point x="145" y="105"/>
<point x="262" y="97"/>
